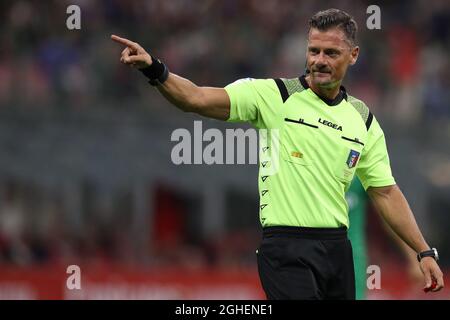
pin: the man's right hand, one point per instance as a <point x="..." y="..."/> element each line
<point x="206" y="101"/>
<point x="133" y="55"/>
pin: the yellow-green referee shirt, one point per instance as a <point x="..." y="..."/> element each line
<point x="311" y="150"/>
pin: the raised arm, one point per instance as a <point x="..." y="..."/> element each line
<point x="393" y="207"/>
<point x="184" y="94"/>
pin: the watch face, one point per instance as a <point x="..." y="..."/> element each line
<point x="436" y="255"/>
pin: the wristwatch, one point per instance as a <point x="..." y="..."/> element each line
<point x="428" y="253"/>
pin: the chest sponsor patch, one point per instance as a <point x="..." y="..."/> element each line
<point x="353" y="158"/>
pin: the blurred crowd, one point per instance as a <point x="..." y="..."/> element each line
<point x="403" y="74"/>
<point x="403" y="68"/>
<point x="35" y="230"/>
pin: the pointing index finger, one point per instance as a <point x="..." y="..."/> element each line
<point x="124" y="41"/>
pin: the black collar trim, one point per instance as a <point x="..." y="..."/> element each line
<point x="331" y="102"/>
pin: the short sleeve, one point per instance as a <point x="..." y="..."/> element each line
<point x="249" y="100"/>
<point x="374" y="168"/>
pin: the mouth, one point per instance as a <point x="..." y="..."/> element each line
<point x="321" y="72"/>
<point x="325" y="75"/>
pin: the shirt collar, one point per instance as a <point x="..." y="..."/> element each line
<point x="331" y="102"/>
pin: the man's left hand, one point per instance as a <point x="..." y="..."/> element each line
<point x="432" y="272"/>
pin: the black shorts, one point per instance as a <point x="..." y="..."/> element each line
<point x="306" y="263"/>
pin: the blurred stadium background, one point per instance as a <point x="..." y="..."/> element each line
<point x="86" y="176"/>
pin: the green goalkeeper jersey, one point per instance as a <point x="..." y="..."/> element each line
<point x="310" y="150"/>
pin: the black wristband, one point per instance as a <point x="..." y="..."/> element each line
<point x="157" y="72"/>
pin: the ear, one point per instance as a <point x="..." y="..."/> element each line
<point x="354" y="55"/>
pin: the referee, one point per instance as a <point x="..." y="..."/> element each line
<point x="326" y="136"/>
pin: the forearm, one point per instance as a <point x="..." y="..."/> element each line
<point x="395" y="210"/>
<point x="207" y="101"/>
<point x="409" y="254"/>
<point x="181" y="92"/>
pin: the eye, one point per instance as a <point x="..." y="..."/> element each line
<point x="313" y="51"/>
<point x="332" y="53"/>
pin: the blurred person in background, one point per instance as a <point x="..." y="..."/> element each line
<point x="326" y="137"/>
<point x="13" y="246"/>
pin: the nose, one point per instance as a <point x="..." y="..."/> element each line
<point x="319" y="63"/>
<point x="320" y="60"/>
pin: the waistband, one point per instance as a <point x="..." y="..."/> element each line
<point x="306" y="232"/>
